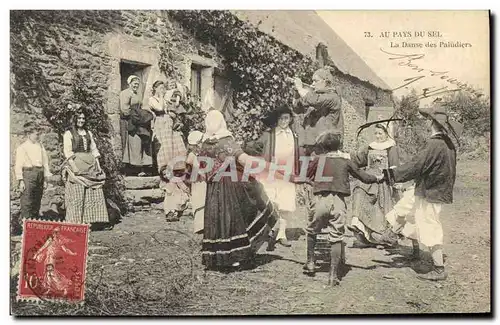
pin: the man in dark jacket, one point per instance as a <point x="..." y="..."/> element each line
<point x="329" y="172"/>
<point x="321" y="106"/>
<point x="434" y="172"/>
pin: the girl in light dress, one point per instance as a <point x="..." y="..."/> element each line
<point x="172" y="152"/>
<point x="198" y="185"/>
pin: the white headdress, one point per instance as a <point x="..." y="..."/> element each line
<point x="131" y="78"/>
<point x="195" y="137"/>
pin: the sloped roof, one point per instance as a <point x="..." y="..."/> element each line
<point x="303" y="30"/>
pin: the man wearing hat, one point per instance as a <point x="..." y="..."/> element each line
<point x="434" y="172"/>
<point x="280" y="143"/>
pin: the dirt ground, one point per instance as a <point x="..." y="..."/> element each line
<point x="378" y="281"/>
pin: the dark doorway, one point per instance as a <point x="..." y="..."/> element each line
<point x="141" y="70"/>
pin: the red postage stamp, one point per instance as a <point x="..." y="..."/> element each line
<point x="53" y="261"/>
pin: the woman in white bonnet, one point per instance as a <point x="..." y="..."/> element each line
<point x="238" y="215"/>
<point x="135" y="156"/>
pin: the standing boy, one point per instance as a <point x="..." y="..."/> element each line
<point x="434" y="172"/>
<point x="329" y="173"/>
<point x="32" y="171"/>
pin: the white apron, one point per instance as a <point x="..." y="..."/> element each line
<point x="282" y="192"/>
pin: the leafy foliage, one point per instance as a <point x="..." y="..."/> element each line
<point x="474" y="112"/>
<point x="411" y="133"/>
<point x="37" y="40"/>
<point x="470" y="110"/>
<point x="258" y="65"/>
<point x="194" y="119"/>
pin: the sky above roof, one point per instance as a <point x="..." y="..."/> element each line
<point x="464" y="64"/>
<point x="303" y="30"/>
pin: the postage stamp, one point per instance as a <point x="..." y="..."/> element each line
<point x="53" y="261"/>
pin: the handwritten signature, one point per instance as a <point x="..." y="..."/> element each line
<point x="407" y="60"/>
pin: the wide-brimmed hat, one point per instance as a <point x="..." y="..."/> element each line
<point x="438" y="113"/>
<point x="273" y="116"/>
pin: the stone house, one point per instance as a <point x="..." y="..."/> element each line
<point x="365" y="97"/>
<point x="105" y="47"/>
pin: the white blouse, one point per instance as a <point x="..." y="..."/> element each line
<point x="68" y="144"/>
<point x="156" y="105"/>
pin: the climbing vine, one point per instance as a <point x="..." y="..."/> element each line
<point x="38" y="43"/>
<point x="258" y="65"/>
<point x="169" y="60"/>
<point x="82" y="98"/>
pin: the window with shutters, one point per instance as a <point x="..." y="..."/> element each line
<point x="196" y="80"/>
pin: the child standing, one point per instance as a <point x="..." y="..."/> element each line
<point x="434" y="172"/>
<point x="32" y="171"/>
<point x="198" y="185"/>
<point x="329" y="172"/>
<point x="174" y="107"/>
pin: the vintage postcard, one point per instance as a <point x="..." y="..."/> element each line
<point x="239" y="162"/>
<point x="53" y="261"/>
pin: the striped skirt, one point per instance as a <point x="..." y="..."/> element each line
<point x="84" y="205"/>
<point x="171" y="143"/>
<point x="238" y="217"/>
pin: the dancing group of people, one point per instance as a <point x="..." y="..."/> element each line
<point x="241" y="211"/>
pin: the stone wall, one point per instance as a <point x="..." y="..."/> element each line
<point x="139" y="41"/>
<point x="62" y="44"/>
<point x="354" y="95"/>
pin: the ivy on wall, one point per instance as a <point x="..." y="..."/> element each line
<point x="258" y="65"/>
<point x="81" y="97"/>
<point x="38" y="41"/>
<point x="170" y="58"/>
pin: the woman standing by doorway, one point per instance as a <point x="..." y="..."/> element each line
<point x="136" y="152"/>
<point x="171" y="148"/>
<point x="170" y="142"/>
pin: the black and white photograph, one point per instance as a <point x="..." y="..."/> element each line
<point x="250" y="162"/>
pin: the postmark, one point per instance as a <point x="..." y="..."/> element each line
<point x="53" y="261"/>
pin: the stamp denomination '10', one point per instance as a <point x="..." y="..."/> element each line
<point x="54" y="259"/>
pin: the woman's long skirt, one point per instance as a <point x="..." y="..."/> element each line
<point x="170" y="142"/>
<point x="371" y="203"/>
<point x="84" y="205"/>
<point x="137" y="152"/>
<point x="237" y="221"/>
